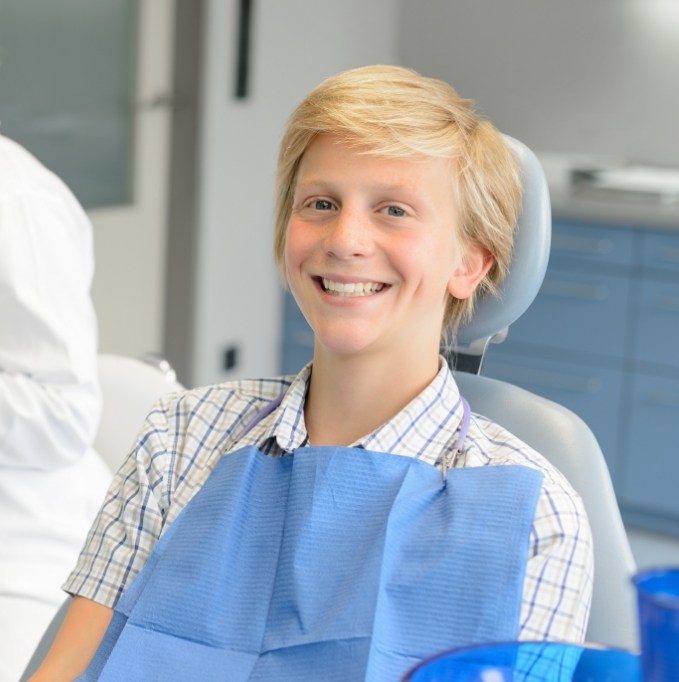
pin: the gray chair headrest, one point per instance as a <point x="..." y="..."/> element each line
<point x="494" y="315"/>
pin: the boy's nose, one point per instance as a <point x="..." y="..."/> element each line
<point x="349" y="235"/>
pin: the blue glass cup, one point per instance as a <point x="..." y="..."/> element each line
<point x="529" y="662"/>
<point x="658" y="608"/>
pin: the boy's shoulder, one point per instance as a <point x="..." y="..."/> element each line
<point x="493" y="445"/>
<point x="227" y="400"/>
<point x="187" y="431"/>
<point x="266" y="388"/>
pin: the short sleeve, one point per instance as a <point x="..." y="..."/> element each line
<point x="559" y="575"/>
<point x="131" y="518"/>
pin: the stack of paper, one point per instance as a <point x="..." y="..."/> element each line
<point x="663" y="182"/>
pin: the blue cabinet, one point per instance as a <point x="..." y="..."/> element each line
<point x="585" y="308"/>
<point x="601" y="338"/>
<point x="657" y="323"/>
<point x="298" y="339"/>
<point x="649" y="479"/>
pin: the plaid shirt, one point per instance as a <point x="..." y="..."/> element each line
<point x="185" y="435"/>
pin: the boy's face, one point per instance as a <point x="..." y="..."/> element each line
<point x="371" y="250"/>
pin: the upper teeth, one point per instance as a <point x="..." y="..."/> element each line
<point x="352" y="288"/>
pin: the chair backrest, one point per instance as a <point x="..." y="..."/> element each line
<point x="554" y="431"/>
<point x="129" y="387"/>
<point x="45" y="642"/>
<point x="568" y="443"/>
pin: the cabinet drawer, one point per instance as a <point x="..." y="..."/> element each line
<point x="649" y="472"/>
<point x="660" y="251"/>
<point x="298" y="338"/>
<point x="656" y="327"/>
<point x="592" y="392"/>
<point x="582" y="312"/>
<point x="578" y="243"/>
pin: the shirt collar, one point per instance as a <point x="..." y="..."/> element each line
<point x="425" y="428"/>
<point x="289" y="428"/>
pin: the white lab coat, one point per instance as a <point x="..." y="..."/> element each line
<point x="51" y="481"/>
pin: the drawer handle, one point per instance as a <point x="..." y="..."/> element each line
<point x="588" y="245"/>
<point x="581" y="292"/>
<point x="555" y="380"/>
<point x="662" y="399"/>
<point x="667" y="304"/>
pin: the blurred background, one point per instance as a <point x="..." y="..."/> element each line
<point x="164" y="117"/>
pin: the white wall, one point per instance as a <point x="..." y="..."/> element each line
<point x="295" y="44"/>
<point x="579" y="76"/>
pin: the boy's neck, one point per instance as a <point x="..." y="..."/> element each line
<point x="349" y="397"/>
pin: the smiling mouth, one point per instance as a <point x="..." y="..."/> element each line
<point x="351" y="288"/>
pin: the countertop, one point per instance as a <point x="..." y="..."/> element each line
<point x="573" y="201"/>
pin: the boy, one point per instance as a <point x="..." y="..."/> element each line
<point x="348" y="522"/>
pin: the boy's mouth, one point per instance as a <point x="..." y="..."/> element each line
<point x="351" y="288"/>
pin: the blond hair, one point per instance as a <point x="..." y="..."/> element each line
<point x="395" y="112"/>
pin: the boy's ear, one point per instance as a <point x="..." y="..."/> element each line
<point x="467" y="275"/>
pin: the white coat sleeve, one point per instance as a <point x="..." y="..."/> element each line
<point x="49" y="396"/>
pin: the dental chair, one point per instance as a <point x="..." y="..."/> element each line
<point x="554" y="431"/>
<point x="551" y="429"/>
<point x="130" y="386"/>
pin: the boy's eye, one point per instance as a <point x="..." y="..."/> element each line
<point x="321" y="205"/>
<point x="394" y="211"/>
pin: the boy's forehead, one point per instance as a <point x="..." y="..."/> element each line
<point x="327" y="155"/>
<point x="375" y="148"/>
<point x="328" y="146"/>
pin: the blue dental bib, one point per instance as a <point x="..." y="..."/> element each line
<point x="333" y="564"/>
